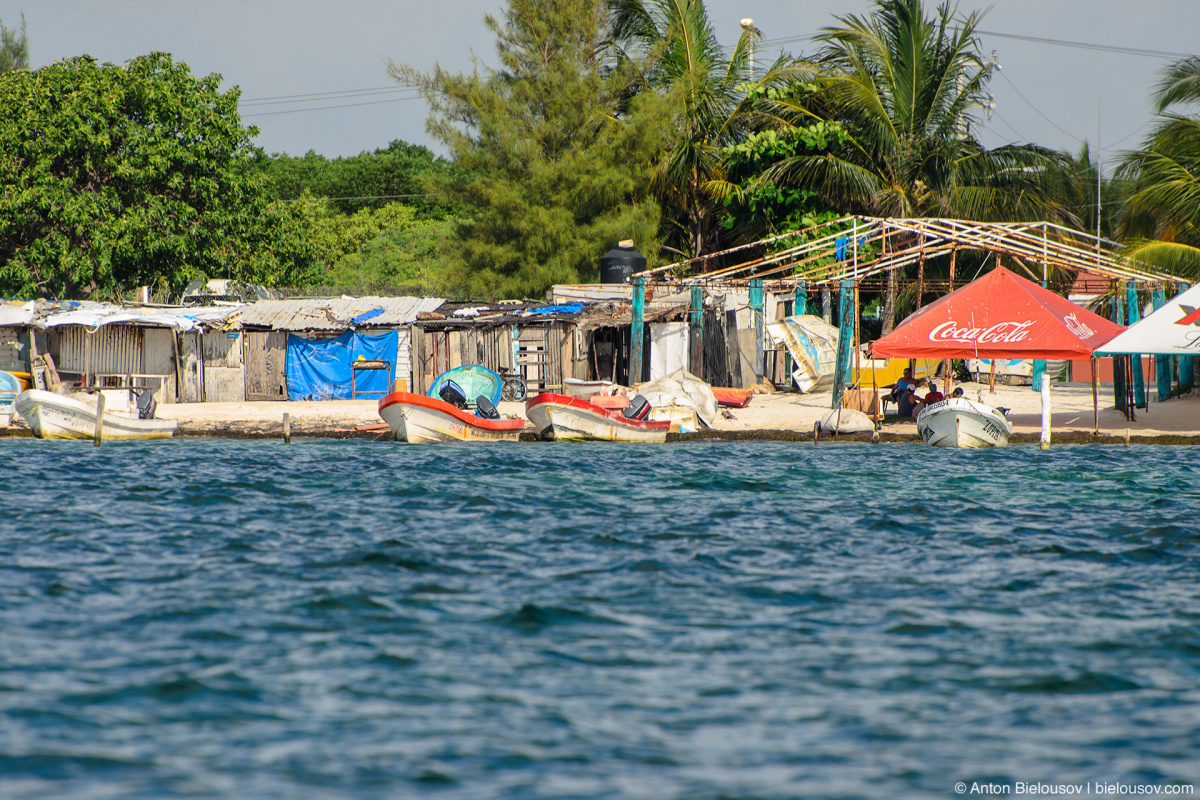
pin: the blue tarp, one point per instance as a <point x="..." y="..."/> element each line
<point x="366" y="315"/>
<point x="320" y="370"/>
<point x="569" y="308"/>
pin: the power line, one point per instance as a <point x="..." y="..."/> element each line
<point x="1103" y="48"/>
<point x="327" y="95"/>
<point x="321" y="98"/>
<point x="1035" y="108"/>
<point x="328" y="108"/>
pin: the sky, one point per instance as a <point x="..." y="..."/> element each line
<point x="313" y="73"/>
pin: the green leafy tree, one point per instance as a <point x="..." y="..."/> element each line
<point x="401" y="172"/>
<point x="113" y="177"/>
<point x="14" y="48"/>
<point x="703" y="91"/>
<point x="1161" y="220"/>
<point x="554" y="169"/>
<point x="905" y="86"/>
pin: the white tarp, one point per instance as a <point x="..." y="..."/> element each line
<point x="182" y="319"/>
<point x="668" y="348"/>
<point x="16" y="314"/>
<point x="1173" y="330"/>
<point x="682" y="389"/>
<point x="812" y="343"/>
<point x="846" y="420"/>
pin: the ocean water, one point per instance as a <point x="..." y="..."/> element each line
<point x="357" y="619"/>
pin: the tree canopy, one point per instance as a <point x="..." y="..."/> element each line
<point x="113" y="177"/>
<point x="401" y="172"/>
<point x="555" y="171"/>
<point x="1161" y="219"/>
<point x="14" y="48"/>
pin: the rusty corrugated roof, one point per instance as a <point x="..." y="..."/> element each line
<point x="335" y="313"/>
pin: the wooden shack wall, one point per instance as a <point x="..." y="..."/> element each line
<point x="111" y="352"/>
<point x="560" y="350"/>
<point x="223" y="373"/>
<point x="264" y="360"/>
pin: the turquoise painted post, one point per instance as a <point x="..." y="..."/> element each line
<point x="1187" y="369"/>
<point x="696" y="326"/>
<point x="1139" y="381"/>
<point x="1162" y="364"/>
<point x="757" y="306"/>
<point x="637" y="331"/>
<point x="1120" y="391"/>
<point x="845" y="341"/>
<point x="802" y="297"/>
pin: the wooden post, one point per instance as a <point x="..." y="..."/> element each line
<point x="287" y="428"/>
<point x="1162" y="363"/>
<point x="845" y="341"/>
<point x="757" y="306"/>
<point x="921" y="274"/>
<point x="1185" y="364"/>
<point x="99" y="419"/>
<point x="637" y="331"/>
<point x="1139" y="381"/>
<point x="696" y="329"/>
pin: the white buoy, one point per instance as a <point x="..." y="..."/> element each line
<point x="1045" y="445"/>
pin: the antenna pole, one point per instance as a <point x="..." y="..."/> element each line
<point x="1099" y="169"/>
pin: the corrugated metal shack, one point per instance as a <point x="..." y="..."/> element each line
<point x="16" y="326"/>
<point x="537" y="341"/>
<point x="268" y="323"/>
<point x="727" y="331"/>
<point x="104" y="345"/>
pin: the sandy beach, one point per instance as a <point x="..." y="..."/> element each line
<point x="788" y="414"/>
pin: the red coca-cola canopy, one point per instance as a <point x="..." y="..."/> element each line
<point x="1000" y="315"/>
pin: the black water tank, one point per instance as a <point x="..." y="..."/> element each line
<point x="618" y="264"/>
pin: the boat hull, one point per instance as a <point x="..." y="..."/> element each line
<point x="959" y="422"/>
<point x="419" y="419"/>
<point x="563" y="418"/>
<point x="732" y="398"/>
<point x="56" y="416"/>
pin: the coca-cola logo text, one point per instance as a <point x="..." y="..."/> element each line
<point x="1001" y="333"/>
<point x="1078" y="328"/>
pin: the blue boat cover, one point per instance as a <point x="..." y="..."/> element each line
<point x="320" y="369"/>
<point x="10" y="387"/>
<point x="474" y="380"/>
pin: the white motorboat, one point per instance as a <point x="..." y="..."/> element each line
<point x="419" y="419"/>
<point x="959" y="422"/>
<point x="57" y="416"/>
<point x="563" y="418"/>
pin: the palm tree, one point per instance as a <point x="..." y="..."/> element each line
<point x="704" y="92"/>
<point x="1161" y="220"/>
<point x="906" y="88"/>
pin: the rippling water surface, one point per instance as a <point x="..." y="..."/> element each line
<point x="373" y="620"/>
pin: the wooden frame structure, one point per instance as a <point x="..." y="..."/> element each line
<point x="860" y="250"/>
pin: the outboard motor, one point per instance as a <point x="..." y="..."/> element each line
<point x="638" y="408"/>
<point x="453" y="394"/>
<point x="146" y="404"/>
<point x="485" y="408"/>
